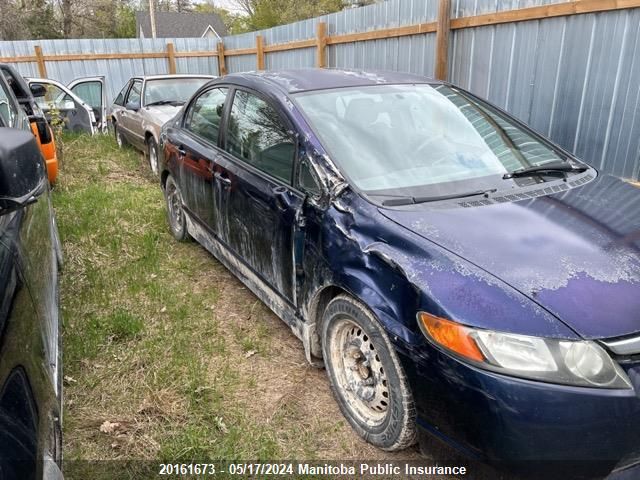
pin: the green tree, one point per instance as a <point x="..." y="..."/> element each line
<point x="40" y="21"/>
<point x="270" y="13"/>
<point x="234" y="22"/>
<point x="126" y="22"/>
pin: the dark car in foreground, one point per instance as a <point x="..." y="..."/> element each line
<point x="30" y="355"/>
<point x="459" y="276"/>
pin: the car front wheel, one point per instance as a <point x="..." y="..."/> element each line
<point x="152" y="153"/>
<point x="366" y="377"/>
<point x="175" y="212"/>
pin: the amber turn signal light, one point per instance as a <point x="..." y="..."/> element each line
<point x="451" y="335"/>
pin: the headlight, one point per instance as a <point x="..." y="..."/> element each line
<point x="568" y="362"/>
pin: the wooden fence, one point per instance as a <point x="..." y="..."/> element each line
<point x="442" y="27"/>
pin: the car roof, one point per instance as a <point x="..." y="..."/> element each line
<point x="305" y="79"/>
<point x="162" y="77"/>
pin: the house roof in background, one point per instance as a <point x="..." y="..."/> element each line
<point x="179" y="25"/>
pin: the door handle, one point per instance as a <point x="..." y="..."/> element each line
<point x="226" y="181"/>
<point x="181" y="150"/>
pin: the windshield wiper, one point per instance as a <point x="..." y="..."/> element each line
<point x="553" y="167"/>
<point x="396" y="202"/>
<point x="162" y="102"/>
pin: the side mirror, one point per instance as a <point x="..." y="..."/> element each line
<point x="22" y="171"/>
<point x="37" y="90"/>
<point x="135" y="106"/>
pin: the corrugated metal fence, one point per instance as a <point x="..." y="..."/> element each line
<point x="574" y="78"/>
<point x="116" y="70"/>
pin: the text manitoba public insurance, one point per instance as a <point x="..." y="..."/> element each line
<point x="382" y="469"/>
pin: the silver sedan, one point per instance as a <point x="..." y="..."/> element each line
<point x="147" y="103"/>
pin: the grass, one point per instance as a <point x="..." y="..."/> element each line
<point x="164" y="344"/>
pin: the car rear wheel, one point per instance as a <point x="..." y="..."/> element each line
<point x="152" y="153"/>
<point x="366" y="377"/>
<point x="175" y="212"/>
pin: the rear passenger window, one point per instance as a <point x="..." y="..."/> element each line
<point x="203" y="117"/>
<point x="257" y="135"/>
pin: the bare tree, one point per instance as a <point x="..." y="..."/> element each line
<point x="247" y="6"/>
<point x="184" y="6"/>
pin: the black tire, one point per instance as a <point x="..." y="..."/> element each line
<point x="175" y="212"/>
<point x="120" y="140"/>
<point x="152" y="155"/>
<point x="357" y="350"/>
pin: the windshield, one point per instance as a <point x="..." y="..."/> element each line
<point x="399" y="139"/>
<point x="171" y="90"/>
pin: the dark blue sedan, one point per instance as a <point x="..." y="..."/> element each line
<point x="457" y="274"/>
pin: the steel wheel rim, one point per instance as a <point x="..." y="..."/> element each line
<point x="359" y="372"/>
<point x="118" y="138"/>
<point x="174" y="203"/>
<point x="153" y="158"/>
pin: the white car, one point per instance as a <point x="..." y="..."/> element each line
<point x="81" y="105"/>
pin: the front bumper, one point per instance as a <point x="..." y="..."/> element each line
<point x="522" y="423"/>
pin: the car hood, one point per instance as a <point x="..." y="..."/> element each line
<point x="576" y="254"/>
<point x="163" y="113"/>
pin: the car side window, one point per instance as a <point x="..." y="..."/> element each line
<point x="90" y="92"/>
<point x="54" y="98"/>
<point x="134" y="93"/>
<point x="205" y="112"/>
<point x="120" y="98"/>
<point x="257" y="135"/>
<point x="8" y="110"/>
<point x="307" y="180"/>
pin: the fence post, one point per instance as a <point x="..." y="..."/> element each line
<point x="222" y="68"/>
<point x="321" y="45"/>
<point x="442" y="40"/>
<point x="42" y="68"/>
<point x="171" y="56"/>
<point x="260" y="52"/>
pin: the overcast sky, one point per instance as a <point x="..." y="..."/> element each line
<point x="227" y="4"/>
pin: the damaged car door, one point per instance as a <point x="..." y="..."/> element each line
<point x="253" y="178"/>
<point x="92" y="91"/>
<point x="60" y="102"/>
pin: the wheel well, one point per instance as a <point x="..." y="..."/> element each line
<point x="147" y="136"/>
<point x="321" y="301"/>
<point x="163" y="178"/>
<point x="316" y="309"/>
